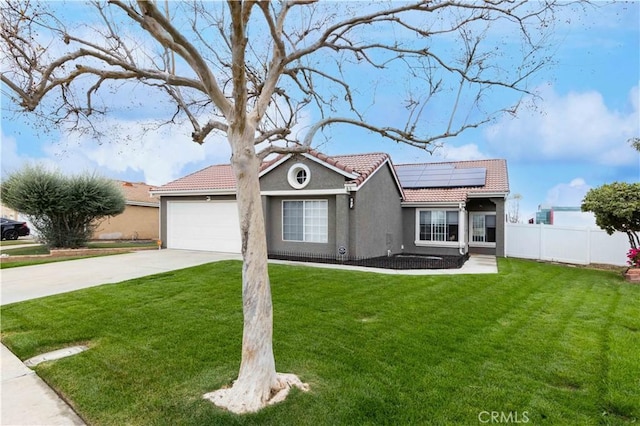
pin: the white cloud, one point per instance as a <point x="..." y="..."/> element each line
<point x="567" y="194"/>
<point x="575" y="127"/>
<point x="159" y="154"/>
<point x="466" y="152"/>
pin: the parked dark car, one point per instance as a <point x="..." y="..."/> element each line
<point x="12" y="229"/>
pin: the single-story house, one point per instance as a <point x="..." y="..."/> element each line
<point x="358" y="205"/>
<point x="140" y="219"/>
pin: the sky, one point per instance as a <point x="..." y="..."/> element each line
<point x="573" y="138"/>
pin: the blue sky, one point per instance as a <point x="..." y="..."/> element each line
<point x="574" y="139"/>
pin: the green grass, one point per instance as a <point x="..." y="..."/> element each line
<point x="44" y="250"/>
<point x="39" y="261"/>
<point x="6" y="243"/>
<point x="558" y="343"/>
<point x="27" y="251"/>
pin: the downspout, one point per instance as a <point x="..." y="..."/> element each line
<point x="461" y="228"/>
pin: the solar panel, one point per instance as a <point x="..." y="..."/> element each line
<point x="440" y="176"/>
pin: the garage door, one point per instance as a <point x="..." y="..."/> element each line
<point x="203" y="225"/>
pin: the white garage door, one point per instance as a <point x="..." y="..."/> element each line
<point x="203" y="225"/>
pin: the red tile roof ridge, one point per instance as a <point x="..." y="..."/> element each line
<point x="364" y="154"/>
<point x="331" y="160"/>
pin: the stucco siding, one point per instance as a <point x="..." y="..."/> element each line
<point x="135" y="223"/>
<point x="496" y="205"/>
<point x="409" y="237"/>
<point x="377" y="216"/>
<point x="321" y="178"/>
<point x="275" y="242"/>
<point x="500" y="226"/>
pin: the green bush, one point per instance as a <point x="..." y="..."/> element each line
<point x="617" y="208"/>
<point x="64" y="210"/>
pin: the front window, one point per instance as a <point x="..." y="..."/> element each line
<point x="483" y="228"/>
<point x="305" y="221"/>
<point x="438" y="225"/>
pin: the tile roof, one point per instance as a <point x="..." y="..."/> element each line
<point x="220" y="177"/>
<point x="363" y="164"/>
<point x="136" y="192"/>
<point x="217" y="177"/>
<point x="496" y="182"/>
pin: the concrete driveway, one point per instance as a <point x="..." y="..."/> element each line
<point x="36" y="281"/>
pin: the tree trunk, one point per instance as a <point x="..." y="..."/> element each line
<point x="258" y="384"/>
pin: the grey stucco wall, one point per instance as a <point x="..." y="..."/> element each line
<point x="376" y="219"/>
<point x="481" y="205"/>
<point x="321" y="177"/>
<point x="500" y="225"/>
<point x="490" y="205"/>
<point x="369" y="229"/>
<point x="274" y="226"/>
<point x="474" y="205"/>
<point x="409" y="236"/>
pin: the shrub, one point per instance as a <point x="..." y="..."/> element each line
<point x="64" y="210"/>
<point x="617" y="208"/>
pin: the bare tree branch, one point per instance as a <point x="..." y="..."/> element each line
<point x="395" y="134"/>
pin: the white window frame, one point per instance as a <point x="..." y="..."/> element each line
<point x="304" y="219"/>
<point x="481" y="243"/>
<point x="456" y="243"/>
<point x="292" y="175"/>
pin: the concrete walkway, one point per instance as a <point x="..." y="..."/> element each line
<point x="26" y="399"/>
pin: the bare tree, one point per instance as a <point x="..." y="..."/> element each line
<point x="513" y="209"/>
<point x="251" y="70"/>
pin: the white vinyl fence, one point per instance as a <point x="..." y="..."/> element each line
<point x="565" y="244"/>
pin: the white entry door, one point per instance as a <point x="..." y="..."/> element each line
<point x="203" y="225"/>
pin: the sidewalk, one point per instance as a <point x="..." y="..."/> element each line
<point x="27" y="400"/>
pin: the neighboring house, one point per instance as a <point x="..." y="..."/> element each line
<point x="9" y="213"/>
<point x="565" y="216"/>
<point x="140" y="219"/>
<point x="355" y="205"/>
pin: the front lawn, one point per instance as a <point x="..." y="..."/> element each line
<point x="552" y="344"/>
<point x="19" y="241"/>
<point x="43" y="250"/>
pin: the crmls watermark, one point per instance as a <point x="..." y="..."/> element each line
<point x="503" y="417"/>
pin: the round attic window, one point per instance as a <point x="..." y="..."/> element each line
<point x="299" y="176"/>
